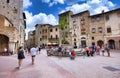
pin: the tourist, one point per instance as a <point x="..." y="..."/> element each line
<point x="33" y="51"/>
<point x="73" y="54"/>
<point x="107" y="49"/>
<point x="20" y="56"/>
<point x="90" y="50"/>
<point x="39" y="49"/>
<point x="103" y="50"/>
<point x="93" y="49"/>
<point x="87" y="51"/>
<point x="98" y="50"/>
<point x="60" y="48"/>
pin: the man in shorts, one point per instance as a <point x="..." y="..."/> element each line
<point x="33" y="51"/>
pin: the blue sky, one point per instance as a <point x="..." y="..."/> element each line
<point x="46" y="11"/>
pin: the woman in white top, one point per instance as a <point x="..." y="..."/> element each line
<point x="33" y="52"/>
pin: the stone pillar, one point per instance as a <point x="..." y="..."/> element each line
<point x="12" y="47"/>
<point x="105" y="40"/>
<point x="116" y="44"/>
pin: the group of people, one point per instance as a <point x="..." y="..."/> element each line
<point x="97" y="49"/>
<point x="33" y="51"/>
<point x="90" y="51"/>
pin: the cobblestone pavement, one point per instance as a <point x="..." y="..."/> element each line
<point x="54" y="67"/>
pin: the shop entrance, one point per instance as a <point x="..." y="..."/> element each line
<point x="4" y="40"/>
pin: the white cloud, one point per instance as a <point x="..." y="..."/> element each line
<point x="78" y="8"/>
<point x="60" y="1"/>
<point x="94" y="6"/>
<point x="53" y="2"/>
<point x="46" y="1"/>
<point x="94" y="1"/>
<point x="26" y="3"/>
<point x="100" y="9"/>
<point x="40" y="18"/>
<point x="110" y="4"/>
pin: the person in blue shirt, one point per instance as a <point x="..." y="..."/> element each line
<point x="93" y="49"/>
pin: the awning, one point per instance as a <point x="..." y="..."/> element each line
<point x="54" y="43"/>
<point x="49" y="43"/>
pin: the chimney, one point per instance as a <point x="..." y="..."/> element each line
<point x="102" y="11"/>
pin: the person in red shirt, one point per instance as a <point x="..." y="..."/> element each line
<point x="73" y="54"/>
<point x="87" y="51"/>
<point x="90" y="49"/>
<point x="98" y="50"/>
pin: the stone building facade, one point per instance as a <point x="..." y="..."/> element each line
<point x="15" y="34"/>
<point x="42" y="34"/>
<point x="64" y="28"/>
<point x="112" y="28"/>
<point x="54" y="35"/>
<point x="85" y="29"/>
<point x="46" y="34"/>
<point x="31" y="39"/>
<point x="97" y="29"/>
<point x="80" y="28"/>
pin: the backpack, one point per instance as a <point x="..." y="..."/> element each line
<point x="93" y="48"/>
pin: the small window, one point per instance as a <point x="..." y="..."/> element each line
<point x="56" y="29"/>
<point x="98" y="18"/>
<point x="107" y="17"/>
<point x="100" y="29"/>
<point x="43" y="31"/>
<point x="83" y="21"/>
<point x="74" y="43"/>
<point x="83" y="31"/>
<point x="65" y="27"/>
<point x="40" y="39"/>
<point x="74" y="21"/>
<point x="50" y="30"/>
<point x="43" y="37"/>
<point x="93" y="30"/>
<point x="15" y="10"/>
<point x="65" y="20"/>
<point x="108" y="30"/>
<point x="56" y="36"/>
<point x="92" y="19"/>
<point x="3" y="6"/>
<point x="51" y="36"/>
<point x="74" y="39"/>
<point x="8" y="1"/>
<point x="92" y="38"/>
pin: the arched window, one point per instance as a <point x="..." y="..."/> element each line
<point x="83" y="38"/>
<point x="74" y="39"/>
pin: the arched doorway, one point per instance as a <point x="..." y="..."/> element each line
<point x="111" y="44"/>
<point x="100" y="43"/>
<point x="4" y="40"/>
<point x="83" y="42"/>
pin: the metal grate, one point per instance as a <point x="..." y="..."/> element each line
<point x="111" y="68"/>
